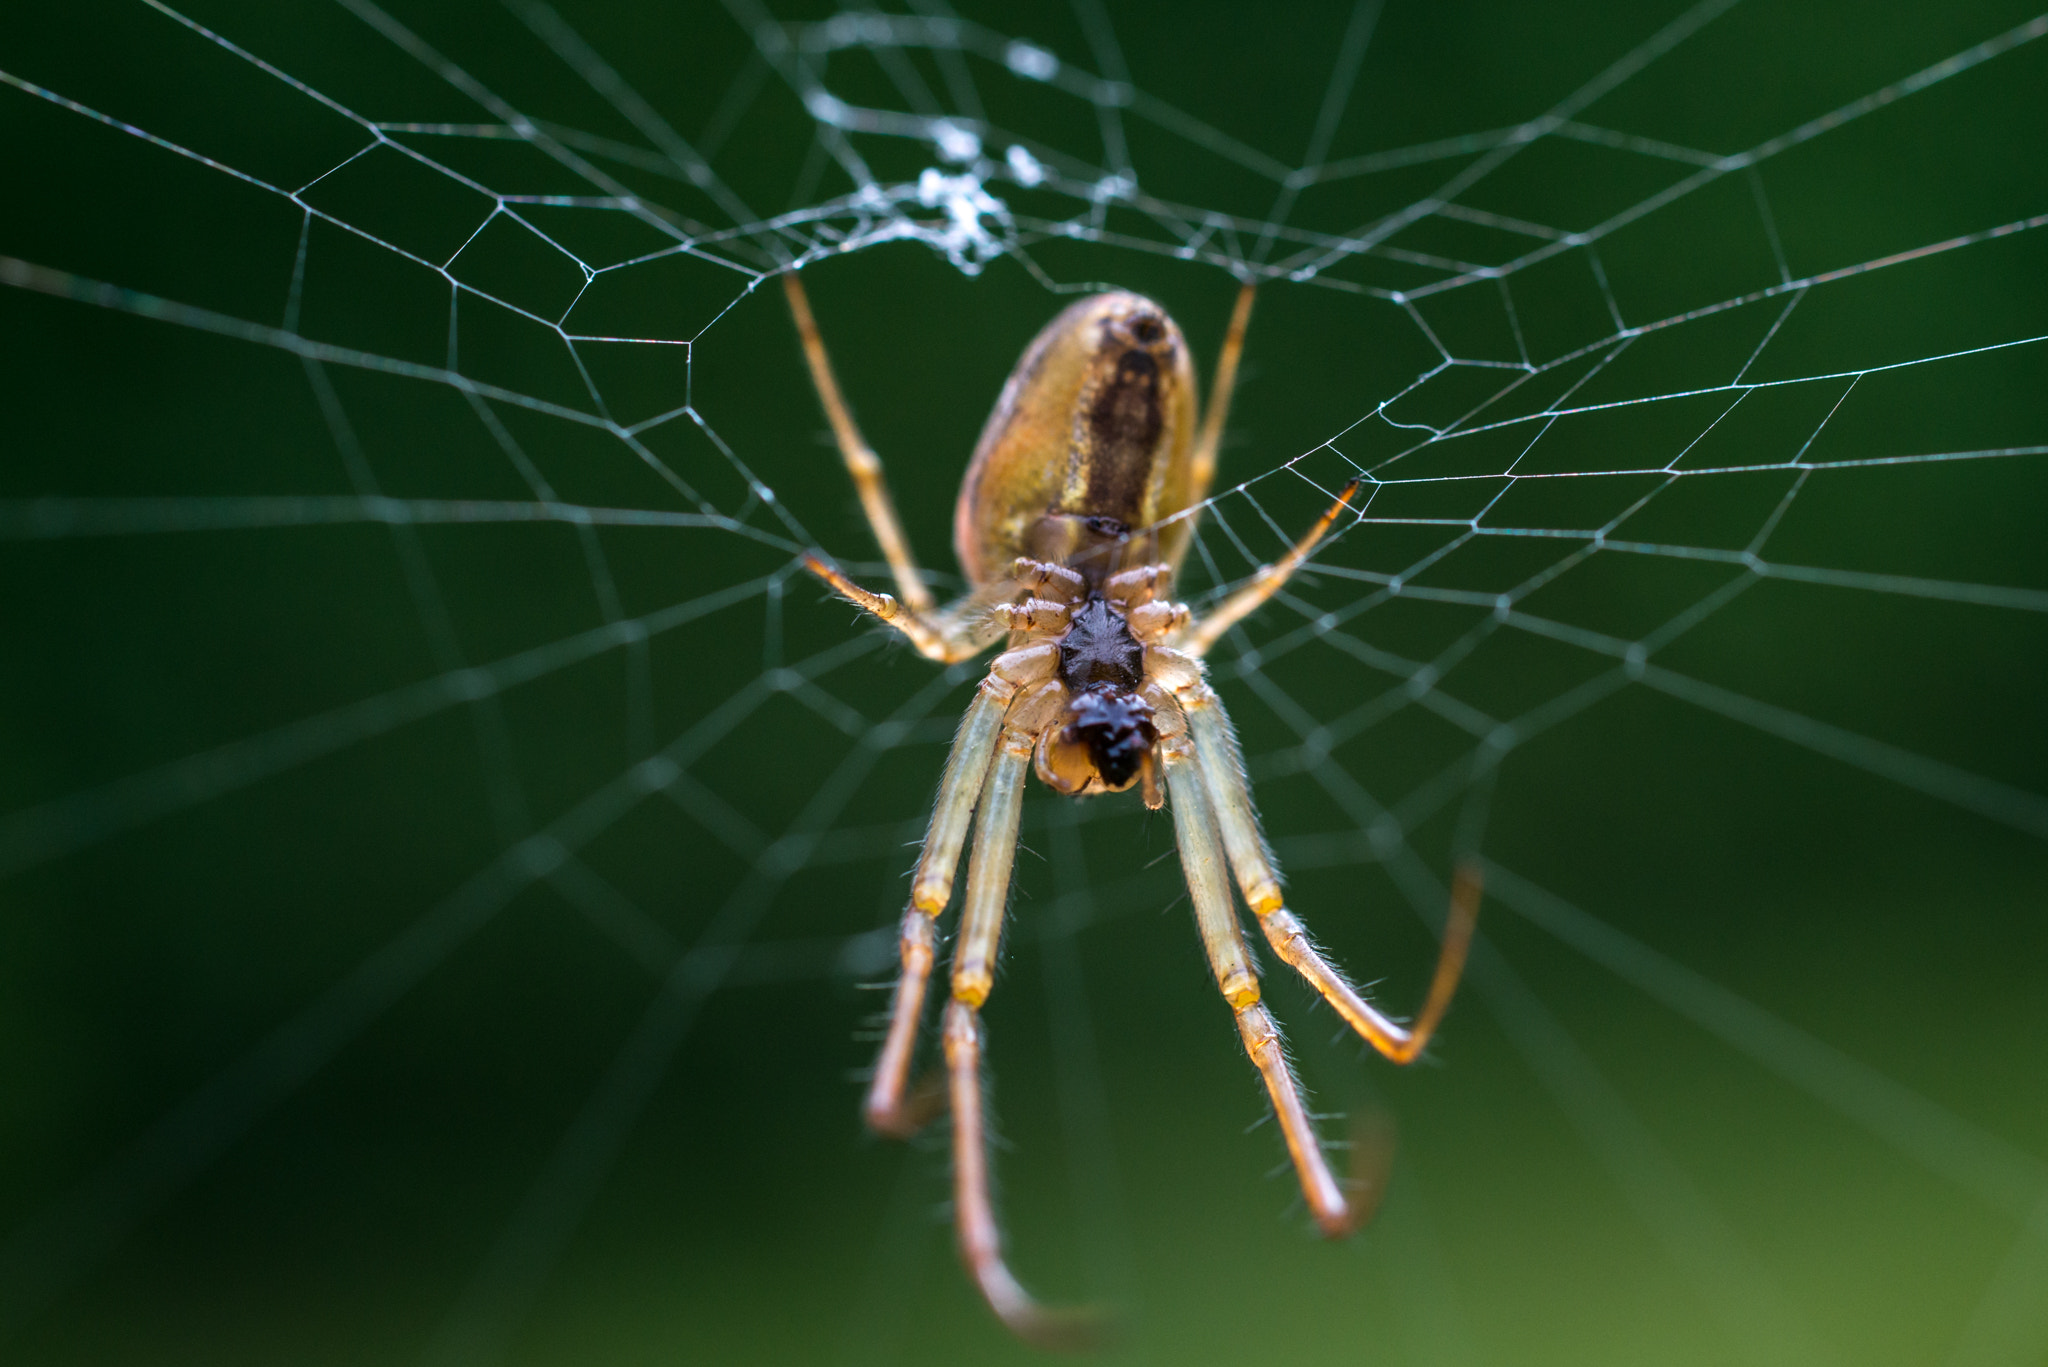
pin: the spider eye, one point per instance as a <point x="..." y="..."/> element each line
<point x="1115" y="727"/>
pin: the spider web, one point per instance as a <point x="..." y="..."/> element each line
<point x="448" y="835"/>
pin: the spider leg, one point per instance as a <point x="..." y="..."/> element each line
<point x="974" y="958"/>
<point x="981" y="1240"/>
<point x="1400" y="1044"/>
<point x="888" y="1110"/>
<point x="862" y="464"/>
<point x="1197" y="638"/>
<point x="1222" y="773"/>
<point x="1202" y="464"/>
<point x="1202" y="861"/>
<point x="949" y="635"/>
<point x="917" y="945"/>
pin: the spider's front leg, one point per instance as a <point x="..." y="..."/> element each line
<point x="974" y="961"/>
<point x="1202" y="861"/>
<point x="888" y="1109"/>
<point x="1222" y="773"/>
<point x="1225" y="792"/>
<point x="1214" y="821"/>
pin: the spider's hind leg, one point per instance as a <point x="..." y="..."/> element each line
<point x="948" y="634"/>
<point x="1197" y="638"/>
<point x="863" y="466"/>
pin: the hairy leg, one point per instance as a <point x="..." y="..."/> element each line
<point x="1202" y="860"/>
<point x="862" y="464"/>
<point x="1223" y="779"/>
<point x="1205" y="632"/>
<point x="975" y="1224"/>
<point x="889" y="1108"/>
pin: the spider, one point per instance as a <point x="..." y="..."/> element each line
<point x="1075" y="512"/>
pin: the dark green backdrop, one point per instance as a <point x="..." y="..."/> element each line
<point x="301" y="1061"/>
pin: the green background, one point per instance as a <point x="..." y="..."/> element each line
<point x="251" y="1109"/>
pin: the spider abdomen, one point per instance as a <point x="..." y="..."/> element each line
<point x="1088" y="455"/>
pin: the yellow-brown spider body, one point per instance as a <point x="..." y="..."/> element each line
<point x="1095" y="429"/>
<point x="1074" y="514"/>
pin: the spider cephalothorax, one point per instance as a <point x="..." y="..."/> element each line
<point x="1073" y="516"/>
<point x="1104" y="736"/>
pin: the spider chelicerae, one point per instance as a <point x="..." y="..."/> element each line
<point x="1074" y="514"/>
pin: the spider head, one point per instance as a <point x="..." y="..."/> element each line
<point x="1099" y="742"/>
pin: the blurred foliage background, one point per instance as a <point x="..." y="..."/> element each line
<point x="419" y="1028"/>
